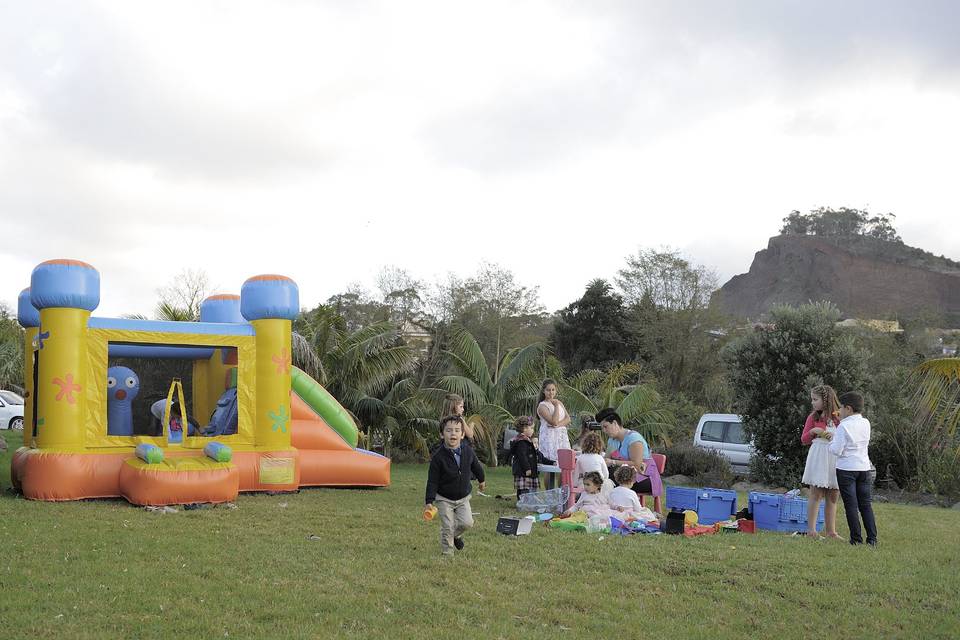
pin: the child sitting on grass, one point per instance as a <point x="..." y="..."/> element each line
<point x="448" y="484"/>
<point x="623" y="498"/>
<point x="591" y="501"/>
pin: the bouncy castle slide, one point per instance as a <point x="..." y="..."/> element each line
<point x="327" y="437"/>
<point x="287" y="431"/>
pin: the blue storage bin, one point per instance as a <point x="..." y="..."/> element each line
<point x="711" y="505"/>
<point x="779" y="512"/>
<point x="682" y="498"/>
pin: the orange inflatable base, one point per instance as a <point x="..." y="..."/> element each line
<point x="353" y="468"/>
<point x="188" y="476"/>
<point x="174" y="483"/>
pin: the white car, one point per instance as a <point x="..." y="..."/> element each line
<point x="723" y="433"/>
<point x="11" y="411"/>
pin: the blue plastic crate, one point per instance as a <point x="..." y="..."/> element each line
<point x="682" y="498"/>
<point x="711" y="505"/>
<point x="780" y="512"/>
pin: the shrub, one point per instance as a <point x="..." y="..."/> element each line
<point x="771" y="373"/>
<point x="704" y="467"/>
<point x="943" y="472"/>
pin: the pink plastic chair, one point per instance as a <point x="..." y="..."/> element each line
<point x="661" y="462"/>
<point x="567" y="461"/>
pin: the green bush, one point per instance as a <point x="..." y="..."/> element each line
<point x="705" y="468"/>
<point x="942" y="473"/>
<point x="771" y="373"/>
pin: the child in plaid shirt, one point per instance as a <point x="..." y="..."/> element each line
<point x="525" y="457"/>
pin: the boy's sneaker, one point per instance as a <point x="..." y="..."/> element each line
<point x="458" y="543"/>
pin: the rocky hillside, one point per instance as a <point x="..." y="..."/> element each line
<point x="864" y="277"/>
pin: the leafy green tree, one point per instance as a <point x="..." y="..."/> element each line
<point x="844" y="221"/>
<point x="771" y="373"/>
<point x="369" y="371"/>
<point x="937" y="383"/>
<point x="11" y="350"/>
<point x="499" y="313"/>
<point x="666" y="279"/>
<point x="358" y="308"/>
<point x="492" y="401"/>
<point x="590" y="333"/>
<point x="639" y="405"/>
<point x="670" y="322"/>
<point x="181" y="298"/>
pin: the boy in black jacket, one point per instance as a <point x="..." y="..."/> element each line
<point x="448" y="484"/>
<point x="525" y="458"/>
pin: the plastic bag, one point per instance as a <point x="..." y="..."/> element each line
<point x="552" y="500"/>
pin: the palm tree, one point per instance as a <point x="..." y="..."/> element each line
<point x="937" y="394"/>
<point x="168" y="311"/>
<point x="494" y="399"/>
<point x="11" y="364"/>
<point x="368" y="372"/>
<point x="639" y="405"/>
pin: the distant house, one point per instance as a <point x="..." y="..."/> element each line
<point x="416" y="336"/>
<point x="880" y="326"/>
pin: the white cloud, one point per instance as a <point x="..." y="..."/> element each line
<point x="326" y="140"/>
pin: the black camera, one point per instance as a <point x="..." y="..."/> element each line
<point x="593" y="425"/>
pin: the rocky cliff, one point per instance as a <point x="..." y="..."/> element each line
<point x="864" y="277"/>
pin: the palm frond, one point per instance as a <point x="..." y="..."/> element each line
<point x="937" y="394"/>
<point x="469" y="390"/>
<point x="470" y="357"/>
<point x="307" y="359"/>
<point x="639" y="401"/>
<point x="586" y="381"/>
<point x="640" y="411"/>
<point x="577" y="402"/>
<point x="522" y="364"/>
<point x="170" y="312"/>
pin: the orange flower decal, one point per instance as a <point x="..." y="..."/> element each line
<point x="67" y="388"/>
<point x="282" y="361"/>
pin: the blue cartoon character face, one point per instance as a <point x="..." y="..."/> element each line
<point x="123" y="386"/>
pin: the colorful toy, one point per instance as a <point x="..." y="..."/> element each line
<point x="123" y="385"/>
<point x="282" y="430"/>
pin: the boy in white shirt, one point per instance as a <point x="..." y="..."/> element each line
<point x="850" y="444"/>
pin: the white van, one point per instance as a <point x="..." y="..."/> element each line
<point x="11" y="410"/>
<point x="723" y="433"/>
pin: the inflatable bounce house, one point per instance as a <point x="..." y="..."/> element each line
<point x="271" y="427"/>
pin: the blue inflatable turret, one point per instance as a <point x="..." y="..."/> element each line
<point x="27" y="315"/>
<point x="223" y="307"/>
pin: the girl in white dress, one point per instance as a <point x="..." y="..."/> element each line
<point x="591" y="459"/>
<point x="820" y="472"/>
<point x="553" y="425"/>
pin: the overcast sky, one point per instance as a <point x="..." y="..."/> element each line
<point x="325" y="140"/>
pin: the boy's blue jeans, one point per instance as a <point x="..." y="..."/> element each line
<point x="857" y="498"/>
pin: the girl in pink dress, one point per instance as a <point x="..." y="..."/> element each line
<point x="820" y="472"/>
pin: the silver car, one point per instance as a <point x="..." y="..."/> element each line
<point x="723" y="433"/>
<point x="11" y="410"/>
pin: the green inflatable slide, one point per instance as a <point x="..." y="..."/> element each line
<point x="325" y="405"/>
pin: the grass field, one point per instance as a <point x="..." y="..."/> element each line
<point x="106" y="569"/>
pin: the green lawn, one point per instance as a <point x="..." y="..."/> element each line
<point x="106" y="569"/>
